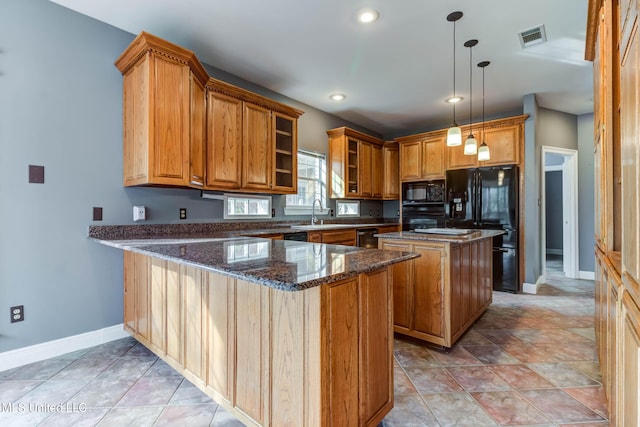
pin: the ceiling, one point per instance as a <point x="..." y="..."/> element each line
<point x="396" y="72"/>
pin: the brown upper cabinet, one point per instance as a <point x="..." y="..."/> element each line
<point x="184" y="129"/>
<point x="252" y="142"/>
<point x="163" y="113"/>
<point x="391" y="161"/>
<point x="360" y="166"/>
<point x="426" y="156"/>
<point x="421" y="158"/>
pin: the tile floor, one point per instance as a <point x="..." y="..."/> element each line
<point x="530" y="360"/>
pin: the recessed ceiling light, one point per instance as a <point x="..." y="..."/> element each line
<point x="454" y="99"/>
<point x="368" y="15"/>
<point x="337" y="97"/>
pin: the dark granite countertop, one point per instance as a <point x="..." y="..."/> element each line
<point x="445" y="238"/>
<point x="281" y="264"/>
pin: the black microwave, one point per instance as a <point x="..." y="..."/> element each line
<point x="431" y="192"/>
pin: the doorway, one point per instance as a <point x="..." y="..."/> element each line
<point x="559" y="209"/>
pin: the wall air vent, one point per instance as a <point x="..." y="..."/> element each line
<point x="533" y="36"/>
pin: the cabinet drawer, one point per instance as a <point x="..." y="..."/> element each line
<point x="340" y="237"/>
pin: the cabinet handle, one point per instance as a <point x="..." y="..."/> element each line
<point x="500" y="250"/>
<point x="196" y="182"/>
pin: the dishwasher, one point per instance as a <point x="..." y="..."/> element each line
<point x="365" y="238"/>
<point x="298" y="236"/>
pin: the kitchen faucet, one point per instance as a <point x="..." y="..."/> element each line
<point x="313" y="210"/>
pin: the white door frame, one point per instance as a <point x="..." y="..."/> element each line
<point x="570" y="246"/>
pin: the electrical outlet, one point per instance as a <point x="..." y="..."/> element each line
<point x="139" y="213"/>
<point x="370" y="212"/>
<point x="183" y="213"/>
<point x="17" y="313"/>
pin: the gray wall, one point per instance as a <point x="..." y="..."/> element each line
<point x="586" y="204"/>
<point x="531" y="220"/>
<point x="61" y="107"/>
<point x="553" y="210"/>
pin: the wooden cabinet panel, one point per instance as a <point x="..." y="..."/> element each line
<point x="287" y="358"/>
<point x="433" y="158"/>
<point x="376" y="348"/>
<point x="391" y="160"/>
<point x="169" y="150"/>
<point x="341" y="370"/>
<point x="629" y="357"/>
<point x="376" y="172"/>
<point x="428" y="291"/>
<point x="402" y="286"/>
<point x="198" y="139"/>
<point x="630" y="153"/>
<point x="252" y="351"/>
<point x="141" y="272"/>
<point x="129" y="292"/>
<point x="257" y="147"/>
<point x="224" y="141"/>
<point x="504" y="145"/>
<point x="136" y="87"/>
<point x="364" y="166"/>
<point x="410" y="161"/>
<point x="340" y="237"/>
<point x="456" y="159"/>
<point x="194" y="322"/>
<point x="220" y="334"/>
<point x="174" y="313"/>
<point x="158" y="301"/>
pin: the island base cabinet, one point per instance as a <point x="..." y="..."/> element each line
<point x="318" y="357"/>
<point x="438" y="296"/>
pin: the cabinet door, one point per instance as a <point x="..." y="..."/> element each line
<point x="629" y="356"/>
<point x="364" y="164"/>
<point x="224" y="141"/>
<point x="456" y="159"/>
<point x="402" y="286"/>
<point x="257" y="147"/>
<point x="433" y="158"/>
<point x="503" y="145"/>
<point x="136" y="123"/>
<point x="391" y="185"/>
<point x="629" y="111"/>
<point x="169" y="147"/>
<point x="428" y="291"/>
<point x="376" y="347"/>
<point x="340" y="237"/>
<point x="410" y="161"/>
<point x="377" y="172"/>
<point x="198" y="133"/>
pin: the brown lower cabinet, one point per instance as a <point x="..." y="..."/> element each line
<point x="333" y="237"/>
<point x="438" y="296"/>
<point x="318" y="357"/>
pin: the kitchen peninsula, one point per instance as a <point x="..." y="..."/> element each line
<point x="438" y="296"/>
<point x="278" y="332"/>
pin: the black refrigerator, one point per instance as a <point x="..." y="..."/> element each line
<point x="487" y="198"/>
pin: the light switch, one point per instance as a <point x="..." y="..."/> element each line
<point x="139" y="213"/>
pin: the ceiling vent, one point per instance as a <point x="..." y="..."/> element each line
<point x="533" y="36"/>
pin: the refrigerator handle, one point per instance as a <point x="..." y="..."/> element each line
<point x="478" y="198"/>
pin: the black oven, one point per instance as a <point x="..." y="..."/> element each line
<point x="423" y="205"/>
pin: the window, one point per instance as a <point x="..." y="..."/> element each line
<point x="246" y="206"/>
<point x="348" y="208"/>
<point x="312" y="185"/>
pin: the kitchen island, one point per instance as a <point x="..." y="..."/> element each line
<point x="438" y="296"/>
<point x="280" y="333"/>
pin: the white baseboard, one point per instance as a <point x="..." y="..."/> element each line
<point x="532" y="288"/>
<point x="587" y="275"/>
<point x="35" y="353"/>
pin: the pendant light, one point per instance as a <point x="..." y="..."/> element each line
<point x="483" y="151"/>
<point x="470" y="145"/>
<point x="454" y="134"/>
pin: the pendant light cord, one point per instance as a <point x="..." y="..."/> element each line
<point x="454" y="72"/>
<point x="470" y="91"/>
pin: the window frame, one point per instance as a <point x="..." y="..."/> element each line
<point x="228" y="196"/>
<point x="308" y="209"/>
